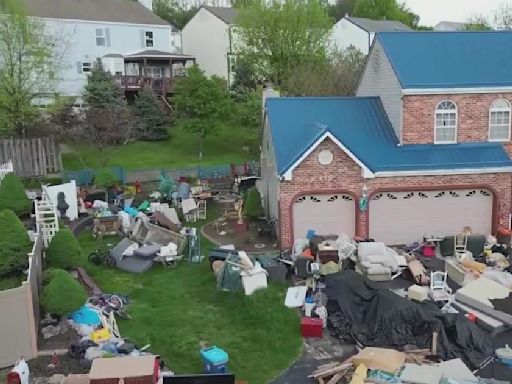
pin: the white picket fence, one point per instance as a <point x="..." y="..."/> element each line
<point x="47" y="222"/>
<point x="5" y="169"/>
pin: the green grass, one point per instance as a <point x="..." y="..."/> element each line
<point x="174" y="310"/>
<point x="11" y="281"/>
<point x="179" y="151"/>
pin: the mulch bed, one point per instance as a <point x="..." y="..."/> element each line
<point x="39" y="366"/>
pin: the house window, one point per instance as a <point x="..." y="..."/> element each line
<point x="86" y="67"/>
<point x="445" y="131"/>
<point x="101" y="40"/>
<point x="156" y="72"/>
<point x="499" y="120"/>
<point x="149" y="39"/>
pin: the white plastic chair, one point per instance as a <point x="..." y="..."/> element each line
<point x="439" y="290"/>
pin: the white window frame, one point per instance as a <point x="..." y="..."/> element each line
<point x="492" y="110"/>
<point x="455" y="127"/>
<point x="101" y="35"/>
<point x="147" y="39"/>
<point x="87" y="67"/>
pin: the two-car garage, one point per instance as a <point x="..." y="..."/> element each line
<point x="397" y="217"/>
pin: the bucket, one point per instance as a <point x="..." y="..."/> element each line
<point x="505" y="355"/>
<point x="309" y="304"/>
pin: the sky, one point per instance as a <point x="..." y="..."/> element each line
<point x="433" y="11"/>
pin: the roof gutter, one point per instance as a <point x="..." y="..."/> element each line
<point x="447" y="172"/>
<point x="449" y="91"/>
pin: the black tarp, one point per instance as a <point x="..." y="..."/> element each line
<point x="373" y="316"/>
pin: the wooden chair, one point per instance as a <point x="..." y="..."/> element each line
<point x="267" y="229"/>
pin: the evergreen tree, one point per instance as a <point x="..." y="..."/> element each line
<point x="14" y="244"/>
<point x="101" y="91"/>
<point x="150" y="119"/>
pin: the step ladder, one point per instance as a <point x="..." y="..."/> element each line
<point x="47" y="218"/>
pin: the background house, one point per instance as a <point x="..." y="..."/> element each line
<point x="360" y="32"/>
<point x="209" y="36"/>
<point x="449" y="26"/>
<point x="131" y="41"/>
<point x="424" y="148"/>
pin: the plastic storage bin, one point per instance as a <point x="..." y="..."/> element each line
<point x="254" y="279"/>
<point x="215" y="360"/>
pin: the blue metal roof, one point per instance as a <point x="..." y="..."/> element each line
<point x="362" y="126"/>
<point x="450" y="59"/>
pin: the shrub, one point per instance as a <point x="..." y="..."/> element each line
<point x="105" y="178"/>
<point x="63" y="294"/>
<point x="13" y="197"/>
<point x="48" y="275"/>
<point x="64" y="251"/>
<point x="252" y="205"/>
<point x="14" y="243"/>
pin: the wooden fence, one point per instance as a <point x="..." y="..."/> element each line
<point x="19" y="308"/>
<point x="31" y="157"/>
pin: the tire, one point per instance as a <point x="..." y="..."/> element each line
<point x="94" y="258"/>
<point x="110" y="261"/>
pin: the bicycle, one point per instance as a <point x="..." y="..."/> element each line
<point x="102" y="256"/>
<point x="110" y="303"/>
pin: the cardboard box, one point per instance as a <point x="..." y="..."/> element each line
<point x="388" y="360"/>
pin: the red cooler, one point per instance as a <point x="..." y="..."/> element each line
<point x="311" y="327"/>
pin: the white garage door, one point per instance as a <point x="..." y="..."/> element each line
<point x="325" y="214"/>
<point x="404" y="217"/>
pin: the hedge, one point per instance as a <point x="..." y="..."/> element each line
<point x="63" y="295"/>
<point x="13" y="197"/>
<point x="14" y="243"/>
<point x="64" y="251"/>
<point x="252" y="204"/>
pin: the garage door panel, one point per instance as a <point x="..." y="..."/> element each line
<point x="326" y="214"/>
<point x="404" y="217"/>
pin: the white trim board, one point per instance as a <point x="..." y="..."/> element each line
<point x="452" y="91"/>
<point x="367" y="173"/>
<point x="441" y="172"/>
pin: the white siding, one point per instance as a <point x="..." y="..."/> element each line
<point x="379" y="79"/>
<point x="345" y="33"/>
<point x="207" y="38"/>
<point x="176" y="45"/>
<point x="79" y="38"/>
<point x="268" y="184"/>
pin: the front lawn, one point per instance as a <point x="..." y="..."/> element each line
<point x="174" y="310"/>
<point x="179" y="151"/>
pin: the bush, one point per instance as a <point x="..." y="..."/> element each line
<point x="252" y="205"/>
<point x="14" y="243"/>
<point x="105" y="178"/>
<point x="48" y="275"/>
<point x="63" y="295"/>
<point x="13" y="197"/>
<point x="64" y="251"/>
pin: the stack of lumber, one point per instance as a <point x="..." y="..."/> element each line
<point x="333" y="373"/>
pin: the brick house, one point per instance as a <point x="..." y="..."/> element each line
<point x="424" y="148"/>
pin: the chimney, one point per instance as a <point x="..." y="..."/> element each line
<point x="147" y="3"/>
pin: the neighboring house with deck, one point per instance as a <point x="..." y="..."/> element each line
<point x="131" y="41"/>
<point x="210" y="37"/>
<point x="359" y="32"/>
<point x="424" y="149"/>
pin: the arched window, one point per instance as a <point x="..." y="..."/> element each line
<point x="445" y="131"/>
<point x="499" y="120"/>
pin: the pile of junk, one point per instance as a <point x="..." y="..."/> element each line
<point x="441" y="302"/>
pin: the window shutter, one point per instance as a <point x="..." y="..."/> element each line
<point x="79" y="66"/>
<point x="142" y="40"/>
<point x="107" y="36"/>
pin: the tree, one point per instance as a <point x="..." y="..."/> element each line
<point x="340" y="8"/>
<point x="64" y="250"/>
<point x="29" y="60"/>
<point x="175" y="12"/>
<point x="275" y="36"/>
<point x="386" y="10"/>
<point x="201" y="103"/>
<point x="477" y="23"/>
<point x="63" y="295"/>
<point x="107" y="123"/>
<point x="252" y="205"/>
<point x="339" y="77"/>
<point x="13" y="197"/>
<point x="14" y="244"/>
<point x="150" y="119"/>
<point x="244" y="79"/>
<point x="503" y="16"/>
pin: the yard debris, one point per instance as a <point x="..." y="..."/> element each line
<point x="51" y="331"/>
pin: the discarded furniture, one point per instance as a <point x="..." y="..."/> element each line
<point x="375" y="261"/>
<point x="131" y="264"/>
<point x="105" y="226"/>
<point x="418" y="293"/>
<point x="128" y="369"/>
<point x="267" y="229"/>
<point x="276" y="270"/>
<point x="189" y="208"/>
<point x="456" y="272"/>
<point x="327" y="251"/>
<point x="162" y="220"/>
<point x="388" y="360"/>
<point x="147" y="233"/>
<point x="201" y="210"/>
<point x="253" y="279"/>
<point x="439" y="290"/>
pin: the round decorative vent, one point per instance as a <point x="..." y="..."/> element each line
<point x="325" y="157"/>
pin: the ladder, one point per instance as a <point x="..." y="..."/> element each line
<point x="47" y="218"/>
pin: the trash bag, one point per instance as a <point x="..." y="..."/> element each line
<point x="77" y="350"/>
<point x="228" y="277"/>
<point x="361" y="310"/>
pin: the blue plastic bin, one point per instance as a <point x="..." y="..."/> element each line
<point x="215" y="360"/>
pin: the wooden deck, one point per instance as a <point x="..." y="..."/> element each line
<point x="161" y="86"/>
